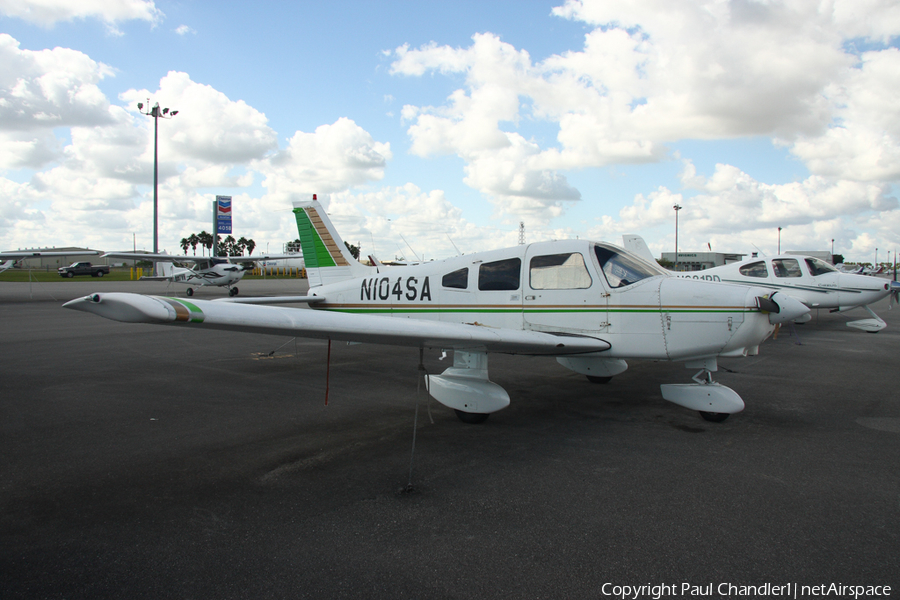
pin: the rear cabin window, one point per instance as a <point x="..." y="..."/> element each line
<point x="500" y="275"/>
<point x="757" y="269"/>
<point x="786" y="267"/>
<point x="819" y="267"/>
<point x="559" y="272"/>
<point x="457" y="279"/>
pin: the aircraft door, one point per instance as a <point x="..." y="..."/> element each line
<point x="561" y="290"/>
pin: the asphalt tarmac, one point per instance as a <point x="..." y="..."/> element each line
<point x="153" y="462"/>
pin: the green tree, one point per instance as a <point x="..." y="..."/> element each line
<point x="184" y="243"/>
<point x="354" y="250"/>
<point x="193" y="240"/>
<point x="206" y="240"/>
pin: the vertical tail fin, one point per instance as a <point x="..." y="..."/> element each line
<point x="327" y="258"/>
<point x="636" y="244"/>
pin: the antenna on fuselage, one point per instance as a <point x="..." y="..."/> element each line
<point x="458" y="253"/>
<point x="410" y="247"/>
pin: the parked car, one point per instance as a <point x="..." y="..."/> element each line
<point x="83" y="268"/>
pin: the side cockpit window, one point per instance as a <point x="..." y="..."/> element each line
<point x="756" y="269"/>
<point x="559" y="272"/>
<point x="819" y="267"/>
<point x="621" y="269"/>
<point x="457" y="279"/>
<point x="500" y="275"/>
<point x="786" y="267"/>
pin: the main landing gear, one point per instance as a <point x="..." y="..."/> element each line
<point x="232" y="291"/>
<point x="465" y="388"/>
<point x="713" y="401"/>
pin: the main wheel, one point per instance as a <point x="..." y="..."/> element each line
<point x="472" y="418"/>
<point x="190" y="291"/>
<point x="232" y="292"/>
<point x="597" y="379"/>
<point x="713" y="417"/>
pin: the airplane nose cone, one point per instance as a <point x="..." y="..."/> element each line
<point x="781" y="308"/>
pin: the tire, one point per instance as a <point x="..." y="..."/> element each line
<point x="714" y="417"/>
<point x="190" y="291"/>
<point x="70" y="274"/>
<point x="99" y="273"/>
<point x="472" y="418"/>
<point x="596" y="379"/>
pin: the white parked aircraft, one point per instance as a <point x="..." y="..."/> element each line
<point x="10" y="258"/>
<point x="206" y="270"/>
<point x="590" y="305"/>
<point x="813" y="282"/>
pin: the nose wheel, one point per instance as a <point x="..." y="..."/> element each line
<point x="232" y="291"/>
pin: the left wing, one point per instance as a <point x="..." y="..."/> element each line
<point x="135" y="308"/>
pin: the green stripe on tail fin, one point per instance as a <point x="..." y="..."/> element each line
<point x="327" y="258"/>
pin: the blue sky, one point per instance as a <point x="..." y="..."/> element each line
<point x="455" y="121"/>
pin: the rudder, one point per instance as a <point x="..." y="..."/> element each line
<point x="327" y="258"/>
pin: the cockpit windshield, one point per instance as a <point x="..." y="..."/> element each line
<point x="819" y="267"/>
<point x="623" y="269"/>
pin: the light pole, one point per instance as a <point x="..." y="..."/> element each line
<point x="677" y="208"/>
<point x="779" y="240"/>
<point x="153" y="111"/>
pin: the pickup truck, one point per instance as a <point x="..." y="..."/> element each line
<point x="83" y="268"/>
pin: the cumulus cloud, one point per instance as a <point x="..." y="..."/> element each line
<point x="653" y="72"/>
<point x="92" y="184"/>
<point x="731" y="210"/>
<point x="49" y="88"/>
<point x="47" y="13"/>
<point x="333" y="158"/>
<point x="407" y="222"/>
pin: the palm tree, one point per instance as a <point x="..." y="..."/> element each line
<point x="206" y="240"/>
<point x="250" y="246"/>
<point x="184" y="243"/>
<point x="193" y="240"/>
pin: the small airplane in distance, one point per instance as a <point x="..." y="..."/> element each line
<point x="589" y="305"/>
<point x="13" y="256"/>
<point x="223" y="271"/>
<point x="851" y="269"/>
<point x="873" y="271"/>
<point x="810" y="280"/>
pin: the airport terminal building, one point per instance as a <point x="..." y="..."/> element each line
<point x="698" y="261"/>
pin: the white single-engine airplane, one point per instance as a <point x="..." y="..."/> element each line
<point x="207" y="270"/>
<point x="9" y="259"/>
<point x="590" y="305"/>
<point x="813" y="282"/>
